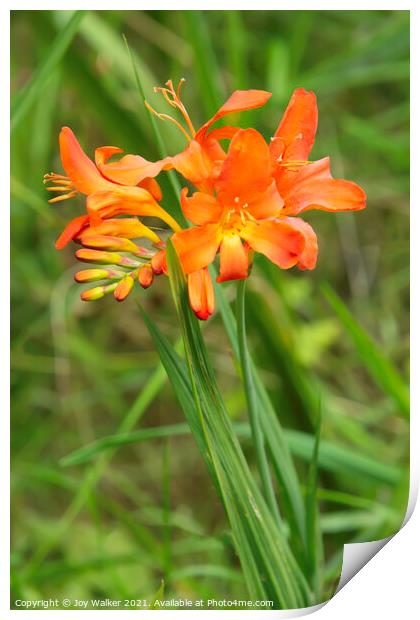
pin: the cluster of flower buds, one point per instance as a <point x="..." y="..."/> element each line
<point x="133" y="262"/>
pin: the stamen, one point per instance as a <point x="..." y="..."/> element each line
<point x="249" y="216"/>
<point x="180" y="85"/>
<point x="52" y="176"/>
<point x="61" y="183"/>
<point x="166" y="117"/>
<point x="63" y="197"/>
<point x="174" y="99"/>
<point x="292" y="164"/>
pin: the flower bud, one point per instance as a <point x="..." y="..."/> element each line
<point x="91" y="275"/>
<point x="124" y="288"/>
<point x="201" y="293"/>
<point x="104" y="258"/>
<point x="93" y="294"/>
<point x="146" y="276"/>
<point x="159" y="263"/>
<point x="112" y="244"/>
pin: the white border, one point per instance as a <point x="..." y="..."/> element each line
<point x="387" y="585"/>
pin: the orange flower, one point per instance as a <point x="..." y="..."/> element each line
<point x="257" y="190"/>
<point x="201" y="161"/>
<point x="304" y="186"/>
<point x="109" y="188"/>
<point x="247" y="208"/>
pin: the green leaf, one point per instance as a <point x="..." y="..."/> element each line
<point x="292" y="502"/>
<point x="34" y="88"/>
<point x="270" y="569"/>
<point x="377" y="364"/>
<point x="313" y="532"/>
<point x="175" y="209"/>
<point x="338" y="459"/>
<point x="158" y="596"/>
<point x="332" y="457"/>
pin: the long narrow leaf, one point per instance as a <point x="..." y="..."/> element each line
<point x="313" y="531"/>
<point x="34" y="89"/>
<point x="269" y="566"/>
<point x="332" y="457"/>
<point x="379" y="366"/>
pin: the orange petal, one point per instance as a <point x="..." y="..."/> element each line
<point x="152" y="186"/>
<point x="201" y="293"/>
<point x="193" y="163"/>
<point x="277" y="240"/>
<point x="73" y="228"/>
<point x="298" y="126"/>
<point x="309" y="254"/>
<point x="197" y="247"/>
<point x="289" y="181"/>
<point x="82" y="171"/>
<point x="246" y="170"/>
<point x="103" y="153"/>
<point x="238" y="101"/>
<point x="126" y="201"/>
<point x="130" y="169"/>
<point x="200" y="208"/>
<point x="325" y="195"/>
<point x="268" y="204"/>
<point x="222" y="133"/>
<point x="129" y="228"/>
<point x="233" y="259"/>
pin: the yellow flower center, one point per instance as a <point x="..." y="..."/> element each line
<point x="235" y="217"/>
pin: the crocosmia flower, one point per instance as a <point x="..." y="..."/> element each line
<point x="250" y="198"/>
<point x="259" y="190"/>
<point x="201" y="160"/>
<point x="108" y="192"/>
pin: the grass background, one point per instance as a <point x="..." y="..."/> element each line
<point x="117" y="524"/>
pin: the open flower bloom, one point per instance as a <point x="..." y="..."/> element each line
<point x="302" y="184"/>
<point x="200" y="162"/>
<point x="247" y="200"/>
<point x="259" y="190"/>
<point x="245" y="213"/>
<point x="109" y="192"/>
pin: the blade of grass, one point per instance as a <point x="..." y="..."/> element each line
<point x="268" y="564"/>
<point x="332" y="457"/>
<point x="206" y="65"/>
<point x="57" y="50"/>
<point x="313" y="531"/>
<point x="380" y="368"/>
<point x="175" y="209"/>
<point x="237" y="48"/>
<point x="252" y="402"/>
<point x="94" y="473"/>
<point x="283" y="466"/>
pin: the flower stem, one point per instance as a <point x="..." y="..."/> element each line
<point x="253" y="409"/>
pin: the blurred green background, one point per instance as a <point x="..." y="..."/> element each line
<point x="118" y="524"/>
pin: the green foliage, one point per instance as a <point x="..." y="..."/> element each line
<point x="136" y="508"/>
